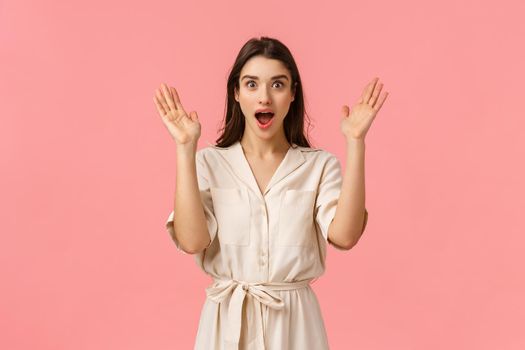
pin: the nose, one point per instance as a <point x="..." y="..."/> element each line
<point x="265" y="97"/>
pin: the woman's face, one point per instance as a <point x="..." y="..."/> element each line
<point x="264" y="83"/>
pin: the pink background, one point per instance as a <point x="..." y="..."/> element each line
<point x="88" y="169"/>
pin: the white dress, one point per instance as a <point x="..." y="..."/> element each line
<point x="265" y="248"/>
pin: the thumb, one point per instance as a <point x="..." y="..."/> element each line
<point x="345" y="111"/>
<point x="194" y="116"/>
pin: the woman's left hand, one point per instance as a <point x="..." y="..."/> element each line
<point x="356" y="122"/>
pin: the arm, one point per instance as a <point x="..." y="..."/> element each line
<point x="350" y="216"/>
<point x="190" y="225"/>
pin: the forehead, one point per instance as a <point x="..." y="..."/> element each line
<point x="263" y="67"/>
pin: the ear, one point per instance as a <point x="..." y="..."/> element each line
<point x="236" y="94"/>
<point x="294" y="89"/>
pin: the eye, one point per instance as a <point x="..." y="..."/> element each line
<point x="253" y="82"/>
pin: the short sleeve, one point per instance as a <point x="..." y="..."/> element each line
<point x="327" y="196"/>
<point x="204" y="188"/>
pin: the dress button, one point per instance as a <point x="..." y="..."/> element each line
<point x="245" y="287"/>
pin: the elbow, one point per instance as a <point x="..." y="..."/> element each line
<point x="197" y="249"/>
<point x="342" y="239"/>
<point x="193" y="243"/>
<point x="194" y="248"/>
<point x="348" y="239"/>
<point x="348" y="246"/>
<point x="189" y="249"/>
<point x="339" y="243"/>
<point x="343" y="247"/>
<point x="356" y="236"/>
<point x="184" y="248"/>
<point x="179" y="245"/>
<point x="356" y="239"/>
<point x="344" y="244"/>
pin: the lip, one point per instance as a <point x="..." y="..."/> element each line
<point x="264" y="126"/>
<point x="263" y="110"/>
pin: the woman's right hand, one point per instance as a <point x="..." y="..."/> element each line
<point x="183" y="128"/>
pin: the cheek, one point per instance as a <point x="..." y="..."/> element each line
<point x="245" y="106"/>
<point x="245" y="99"/>
<point x="285" y="97"/>
<point x="284" y="101"/>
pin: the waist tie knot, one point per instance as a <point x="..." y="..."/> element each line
<point x="262" y="293"/>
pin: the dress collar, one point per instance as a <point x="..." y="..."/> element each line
<point x="235" y="157"/>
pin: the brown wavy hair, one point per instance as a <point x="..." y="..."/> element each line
<point x="233" y="123"/>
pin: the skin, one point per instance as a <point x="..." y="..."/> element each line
<point x="348" y="224"/>
<point x="264" y="92"/>
<point x="189" y="224"/>
<point x="265" y="149"/>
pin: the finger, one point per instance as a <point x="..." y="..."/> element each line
<point x="176" y="98"/>
<point x="381" y="100"/>
<point x="194" y="116"/>
<point x="345" y="111"/>
<point x="162" y="100"/>
<point x="160" y="109"/>
<point x="368" y="90"/>
<point x="375" y="94"/>
<point x="168" y="97"/>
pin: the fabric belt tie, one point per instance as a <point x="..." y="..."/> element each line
<point x="262" y="292"/>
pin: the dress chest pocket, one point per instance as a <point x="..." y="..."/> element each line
<point x="296" y="218"/>
<point x="233" y="213"/>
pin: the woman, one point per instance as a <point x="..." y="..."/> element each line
<point x="258" y="208"/>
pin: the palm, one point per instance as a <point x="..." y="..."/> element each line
<point x="183" y="128"/>
<point x="356" y="122"/>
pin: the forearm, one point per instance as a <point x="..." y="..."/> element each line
<point x="347" y="225"/>
<point x="189" y="222"/>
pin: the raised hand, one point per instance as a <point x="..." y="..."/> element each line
<point x="356" y="122"/>
<point x="183" y="128"/>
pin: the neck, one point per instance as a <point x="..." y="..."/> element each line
<point x="263" y="148"/>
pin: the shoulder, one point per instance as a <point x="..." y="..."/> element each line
<point x="210" y="154"/>
<point x="317" y="154"/>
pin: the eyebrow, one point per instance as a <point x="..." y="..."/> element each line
<point x="256" y="78"/>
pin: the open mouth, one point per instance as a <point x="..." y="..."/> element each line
<point x="264" y="117"/>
